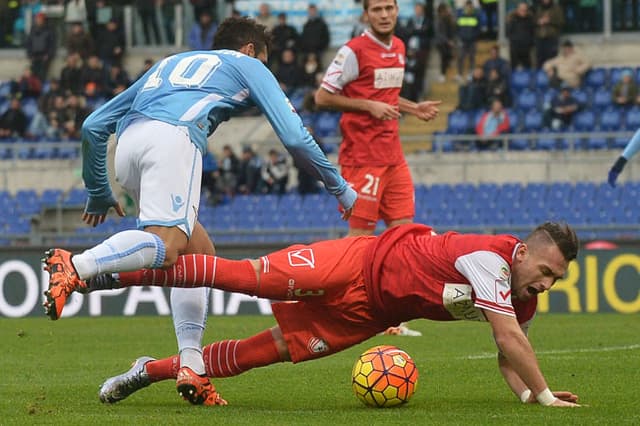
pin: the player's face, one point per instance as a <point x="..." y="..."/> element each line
<point x="382" y="16"/>
<point x="535" y="270"/>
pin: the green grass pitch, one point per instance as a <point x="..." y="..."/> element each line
<point x="51" y="372"/>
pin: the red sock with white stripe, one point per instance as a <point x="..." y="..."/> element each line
<point x="232" y="357"/>
<point x="197" y="270"/>
<point x="163" y="369"/>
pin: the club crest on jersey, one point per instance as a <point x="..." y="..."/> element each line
<point x="302" y="258"/>
<point x="317" y="346"/>
<point x="177" y="202"/>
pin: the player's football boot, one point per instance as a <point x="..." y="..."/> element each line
<point x="63" y="280"/>
<point x="119" y="387"/>
<point x="196" y="389"/>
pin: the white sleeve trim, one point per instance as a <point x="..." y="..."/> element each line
<point x="343" y="69"/>
<point x="490" y="276"/>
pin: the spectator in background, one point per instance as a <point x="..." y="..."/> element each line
<point x="117" y="81"/>
<point x="562" y="109"/>
<point x="13" y="122"/>
<point x="284" y="36"/>
<point x="521" y="28"/>
<point x="41" y="46"/>
<point x="28" y="85"/>
<point x="275" y="173"/>
<point x="310" y="70"/>
<point x="79" y="41"/>
<point x="93" y="74"/>
<point x="468" y="33"/>
<point x="168" y="9"/>
<point x="71" y="75"/>
<point x="315" y="33"/>
<point x="146" y="66"/>
<point x="204" y="6"/>
<point x="490" y="8"/>
<point x="289" y="74"/>
<point x="417" y="44"/>
<point x="147" y="13"/>
<point x="75" y="13"/>
<point x="210" y="175"/>
<point x="625" y="91"/>
<point x="445" y="35"/>
<point x="202" y="32"/>
<point x="111" y="45"/>
<point x="360" y="26"/>
<point x="568" y="67"/>
<point x="249" y="172"/>
<point x="492" y="123"/>
<point x="498" y="88"/>
<point x="39" y="125"/>
<point x="473" y="95"/>
<point x="495" y="62"/>
<point x="265" y="17"/>
<point x="229" y="169"/>
<point x="74" y="114"/>
<point x="549" y="22"/>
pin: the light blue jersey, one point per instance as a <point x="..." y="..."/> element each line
<point x="199" y="90"/>
<point x="632" y="147"/>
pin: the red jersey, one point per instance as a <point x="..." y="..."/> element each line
<point x="412" y="273"/>
<point x="365" y="68"/>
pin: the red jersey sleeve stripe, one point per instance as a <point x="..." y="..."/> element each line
<point x="329" y="87"/>
<point x="501" y="309"/>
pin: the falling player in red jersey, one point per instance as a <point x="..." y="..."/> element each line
<point x="364" y="81"/>
<point x="338" y="293"/>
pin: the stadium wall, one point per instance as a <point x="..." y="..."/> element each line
<point x="599" y="281"/>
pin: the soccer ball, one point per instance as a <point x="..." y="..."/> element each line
<point x="384" y="376"/>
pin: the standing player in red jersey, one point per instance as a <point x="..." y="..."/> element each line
<point x="339" y="293"/>
<point x="364" y="81"/>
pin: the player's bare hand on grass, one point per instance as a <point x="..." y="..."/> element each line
<point x="96" y="209"/>
<point x="566" y="396"/>
<point x="561" y="403"/>
<point x="383" y="111"/>
<point x="427" y="110"/>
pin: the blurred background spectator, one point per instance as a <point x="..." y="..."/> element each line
<point x="625" y="91"/>
<point x="315" y="33"/>
<point x="563" y="108"/>
<point x="41" y="46"/>
<point x="569" y="66"/>
<point x="520" y="31"/>
<point x="492" y="123"/>
<point x="275" y="173"/>
<point x="549" y="23"/>
<point x="202" y="32"/>
<point x="13" y="122"/>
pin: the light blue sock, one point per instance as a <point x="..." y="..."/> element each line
<point x="189" y="310"/>
<point x="125" y="251"/>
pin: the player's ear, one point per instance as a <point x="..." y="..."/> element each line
<point x="522" y="251"/>
<point x="249" y="49"/>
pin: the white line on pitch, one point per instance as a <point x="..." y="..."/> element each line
<point x="487" y="355"/>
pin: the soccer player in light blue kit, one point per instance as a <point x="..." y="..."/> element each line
<point x="162" y="123"/>
<point x="629" y="151"/>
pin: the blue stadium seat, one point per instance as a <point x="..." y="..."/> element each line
<point x="327" y="124"/>
<point x="611" y="119"/>
<point x="615" y="75"/>
<point x="583" y="96"/>
<point x="632" y="118"/>
<point x="520" y="80"/>
<point x="533" y="121"/>
<point x="602" y="98"/>
<point x="584" y="121"/>
<point x="596" y="143"/>
<point x="596" y="77"/>
<point x="547" y="97"/>
<point x="30" y="107"/>
<point x="527" y="99"/>
<point x="519" y="144"/>
<point x="541" y="80"/>
<point x="547" y="142"/>
<point x="459" y="122"/>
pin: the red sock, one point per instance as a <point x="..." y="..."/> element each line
<point x="198" y="270"/>
<point x="232" y="357"/>
<point x="163" y="369"/>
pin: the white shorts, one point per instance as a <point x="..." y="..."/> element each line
<point x="161" y="170"/>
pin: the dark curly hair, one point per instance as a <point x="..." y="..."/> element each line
<point x="234" y="33"/>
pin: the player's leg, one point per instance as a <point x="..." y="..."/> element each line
<point x="299" y="272"/>
<point x="146" y="153"/>
<point x="398" y="200"/>
<point x="366" y="181"/>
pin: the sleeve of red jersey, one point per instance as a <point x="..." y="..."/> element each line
<point x="489" y="275"/>
<point x="343" y="69"/>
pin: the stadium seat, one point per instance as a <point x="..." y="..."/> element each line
<point x="615" y="75"/>
<point x="527" y="99"/>
<point x="583" y="96"/>
<point x="533" y="121"/>
<point x="547" y="142"/>
<point x="584" y="121"/>
<point x="519" y="144"/>
<point x="632" y="118"/>
<point x="541" y="80"/>
<point x="596" y="77"/>
<point x="601" y="98"/>
<point x="459" y="122"/>
<point x="326" y="124"/>
<point x="520" y="80"/>
<point x="596" y="143"/>
<point x="611" y="119"/>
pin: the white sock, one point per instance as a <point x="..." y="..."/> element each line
<point x="125" y="251"/>
<point x="189" y="310"/>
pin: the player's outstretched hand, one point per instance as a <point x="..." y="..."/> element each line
<point x="613" y="176"/>
<point x="347" y="200"/>
<point x="566" y="396"/>
<point x="428" y="110"/>
<point x="95" y="211"/>
<point x="616" y="169"/>
<point x="383" y="111"/>
<point x="561" y="403"/>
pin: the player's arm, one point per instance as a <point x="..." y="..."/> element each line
<point x="274" y="104"/>
<point x="629" y="151"/>
<point x="96" y="129"/>
<point x="520" y="366"/>
<point x="426" y="110"/>
<point x="343" y="70"/>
